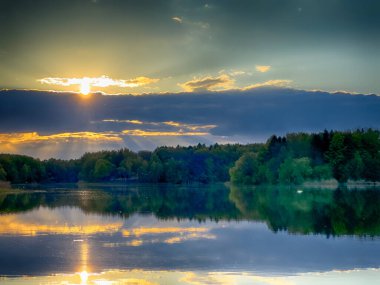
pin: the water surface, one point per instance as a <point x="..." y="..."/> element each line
<point x="165" y="234"/>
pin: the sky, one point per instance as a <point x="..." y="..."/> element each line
<point x="165" y="61"/>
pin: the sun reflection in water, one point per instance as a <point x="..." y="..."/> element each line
<point x="84" y="253"/>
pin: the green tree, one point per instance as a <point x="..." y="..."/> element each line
<point x="152" y="171"/>
<point x="174" y="171"/>
<point x="356" y="166"/>
<point x="246" y="170"/>
<point x="26" y="173"/>
<point x="336" y="157"/>
<point x="322" y="172"/>
<point x="295" y="171"/>
<point x="3" y="174"/>
<point x="103" y="169"/>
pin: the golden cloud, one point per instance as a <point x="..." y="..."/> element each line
<point x="142" y="133"/>
<point x="263" y="68"/>
<point x="103" y="81"/>
<point x="135" y="242"/>
<point x="136" y="122"/>
<point x="179" y="125"/>
<point x="237" y="72"/>
<point x="208" y="279"/>
<point x="192" y="127"/>
<point x="137" y="281"/>
<point x="275" y="82"/>
<point x="172" y="123"/>
<point x="222" y="82"/>
<point x="18" y="138"/>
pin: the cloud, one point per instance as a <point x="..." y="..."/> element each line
<point x="137" y="281"/>
<point x="237" y="72"/>
<point x="208" y="279"/>
<point x="66" y="126"/>
<point x="208" y="83"/>
<point x="160" y="126"/>
<point x="16" y="138"/>
<point x="139" y="81"/>
<point x="135" y="122"/>
<point x="135" y="242"/>
<point x="63" y="145"/>
<point x="191" y="24"/>
<point x="177" y="19"/>
<point x="193" y="127"/>
<point x="275" y="83"/>
<point x="103" y="81"/>
<point x="263" y="68"/>
<point x="142" y="133"/>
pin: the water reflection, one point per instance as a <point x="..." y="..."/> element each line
<point x="312" y="211"/>
<point x="65" y="221"/>
<point x="84" y="260"/>
<point x="306" y="211"/>
<point x="189" y="234"/>
<point x="141" y="277"/>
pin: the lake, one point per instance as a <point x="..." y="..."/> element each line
<point x="192" y="234"/>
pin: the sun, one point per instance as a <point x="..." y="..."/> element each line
<point x="83" y="277"/>
<point x="85" y="87"/>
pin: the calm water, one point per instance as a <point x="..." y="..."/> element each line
<point x="144" y="234"/>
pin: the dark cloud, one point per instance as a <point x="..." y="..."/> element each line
<point x="255" y="113"/>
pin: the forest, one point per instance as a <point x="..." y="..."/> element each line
<point x="290" y="159"/>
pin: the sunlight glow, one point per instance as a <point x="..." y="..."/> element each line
<point x="103" y="81"/>
<point x="83" y="277"/>
<point x="16" y="138"/>
<point x="85" y="87"/>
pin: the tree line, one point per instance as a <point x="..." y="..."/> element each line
<point x="290" y="159"/>
<point x="298" y="157"/>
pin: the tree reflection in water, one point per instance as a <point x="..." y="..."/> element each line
<point x="310" y="211"/>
